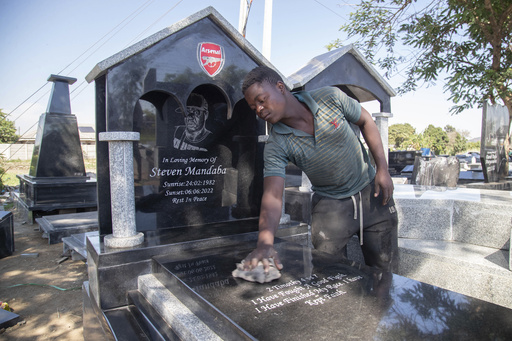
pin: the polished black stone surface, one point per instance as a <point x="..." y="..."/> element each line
<point x="6" y="234"/>
<point x="316" y="299"/>
<point x="54" y="193"/>
<point x="8" y="319"/>
<point x="57" y="227"/>
<point x="179" y="180"/>
<point x="57" y="150"/>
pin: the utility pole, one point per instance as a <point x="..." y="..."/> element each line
<point x="267" y="29"/>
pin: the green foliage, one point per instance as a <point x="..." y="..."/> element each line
<point x="436" y="139"/>
<point x="2" y="173"/>
<point x="466" y="41"/>
<point x="473" y="146"/>
<point x="449" y="129"/>
<point x="403" y="136"/>
<point x="400" y="134"/>
<point x="7" y="129"/>
<point x="458" y="144"/>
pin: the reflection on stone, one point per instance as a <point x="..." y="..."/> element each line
<point x="316" y="298"/>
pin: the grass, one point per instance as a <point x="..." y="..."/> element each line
<point x="14" y="167"/>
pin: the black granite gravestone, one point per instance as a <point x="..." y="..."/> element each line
<point x="57" y="178"/>
<point x="494" y="132"/>
<point x="198" y="166"/>
<point x="198" y="160"/>
<point x="317" y="299"/>
<point x="6" y="234"/>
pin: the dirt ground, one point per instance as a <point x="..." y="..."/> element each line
<point x="46" y="313"/>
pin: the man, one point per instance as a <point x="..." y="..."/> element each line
<point x="193" y="135"/>
<point x="312" y="130"/>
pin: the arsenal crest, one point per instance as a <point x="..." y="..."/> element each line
<point x="211" y="58"/>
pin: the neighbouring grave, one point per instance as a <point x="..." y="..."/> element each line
<point x="439" y="171"/>
<point x="57" y="178"/>
<point x="492" y="151"/>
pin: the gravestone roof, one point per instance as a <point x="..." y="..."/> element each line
<point x="325" y="62"/>
<point x="208" y="12"/>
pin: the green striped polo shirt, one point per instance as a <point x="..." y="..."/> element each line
<point x="334" y="159"/>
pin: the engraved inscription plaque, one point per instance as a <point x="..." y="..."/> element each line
<point x="316" y="299"/>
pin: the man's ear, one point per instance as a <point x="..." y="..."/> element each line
<point x="281" y="87"/>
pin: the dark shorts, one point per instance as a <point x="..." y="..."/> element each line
<point x="333" y="225"/>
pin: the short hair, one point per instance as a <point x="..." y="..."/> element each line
<point x="260" y="74"/>
<point x="196" y="100"/>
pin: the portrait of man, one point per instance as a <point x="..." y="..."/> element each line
<point x="193" y="135"/>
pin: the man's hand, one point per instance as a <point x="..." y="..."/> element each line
<point x="263" y="254"/>
<point x="384" y="183"/>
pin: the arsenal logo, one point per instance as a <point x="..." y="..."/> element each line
<point x="211" y="58"/>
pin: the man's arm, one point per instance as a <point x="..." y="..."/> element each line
<point x="270" y="215"/>
<point x="372" y="137"/>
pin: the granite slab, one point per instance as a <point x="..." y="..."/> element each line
<point x="318" y="299"/>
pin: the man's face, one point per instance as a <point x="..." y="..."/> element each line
<point x="195" y="118"/>
<point x="267" y="100"/>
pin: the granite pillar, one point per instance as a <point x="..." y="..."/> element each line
<point x="382" y="122"/>
<point x="124" y="232"/>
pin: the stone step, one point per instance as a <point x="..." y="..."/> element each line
<point x="121" y="325"/>
<point x="185" y="324"/>
<point x="472" y="270"/>
<point x="153" y="325"/>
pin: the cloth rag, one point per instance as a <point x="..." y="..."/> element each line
<point x="257" y="274"/>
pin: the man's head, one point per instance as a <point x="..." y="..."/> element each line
<point x="266" y="93"/>
<point x="260" y="74"/>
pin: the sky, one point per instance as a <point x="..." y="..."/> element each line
<point x="69" y="37"/>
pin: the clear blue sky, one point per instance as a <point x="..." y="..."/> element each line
<point x="43" y="37"/>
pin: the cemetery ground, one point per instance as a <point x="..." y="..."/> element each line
<point x="30" y="278"/>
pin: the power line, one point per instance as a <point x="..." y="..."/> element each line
<point x="139" y="10"/>
<point x="19" y="105"/>
<point x="153" y="24"/>
<point x="330" y="9"/>
<point x="134" y="14"/>
<point x="112" y="36"/>
<point x="46" y="93"/>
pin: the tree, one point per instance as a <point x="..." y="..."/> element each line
<point x="7" y="129"/>
<point x="469" y="42"/>
<point x="459" y="145"/>
<point x="436" y="139"/>
<point x="399" y="133"/>
<point x="449" y="128"/>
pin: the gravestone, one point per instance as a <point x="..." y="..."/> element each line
<point x="57" y="178"/>
<point x="6" y="234"/>
<point x="318" y="299"/>
<point x="198" y="160"/>
<point x="439" y="171"/>
<point x="495" y="119"/>
<point x="398" y="160"/>
<point x="197" y="148"/>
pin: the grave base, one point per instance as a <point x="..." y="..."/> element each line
<point x="189" y="293"/>
<point x="57" y="227"/>
<point x="44" y="196"/>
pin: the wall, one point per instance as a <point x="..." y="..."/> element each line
<point x="23" y="151"/>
